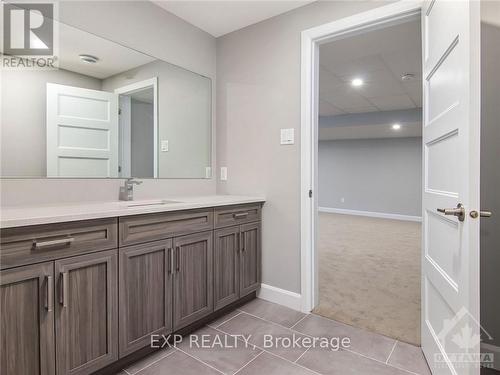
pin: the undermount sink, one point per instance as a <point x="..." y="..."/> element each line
<point x="160" y="202"/>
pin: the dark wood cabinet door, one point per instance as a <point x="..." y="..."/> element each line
<point x="86" y="312"/>
<point x="226" y="266"/>
<point x="249" y="258"/>
<point x="145" y="294"/>
<point x="193" y="278"/>
<point x="27" y="320"/>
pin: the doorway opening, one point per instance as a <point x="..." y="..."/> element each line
<point x="138" y="123"/>
<point x="370" y="180"/>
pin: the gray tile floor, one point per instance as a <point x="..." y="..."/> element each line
<point x="237" y="346"/>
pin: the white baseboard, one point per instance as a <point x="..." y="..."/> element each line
<point x="370" y="214"/>
<point x="280" y="296"/>
<point x="495" y="350"/>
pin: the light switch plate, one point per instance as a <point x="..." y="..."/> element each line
<point x="287" y="136"/>
<point x="223" y="173"/>
<point x="164" y="146"/>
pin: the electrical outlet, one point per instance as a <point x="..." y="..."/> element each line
<point x="342" y="200"/>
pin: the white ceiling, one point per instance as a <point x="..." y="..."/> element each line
<point x="221" y="17"/>
<point x="378" y="57"/>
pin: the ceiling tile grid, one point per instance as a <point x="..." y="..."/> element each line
<point x="380" y="58"/>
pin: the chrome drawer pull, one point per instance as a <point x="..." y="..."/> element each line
<point x="49" y="304"/>
<point x="61" y="241"/>
<point x="240" y="215"/>
<point x="63" y="299"/>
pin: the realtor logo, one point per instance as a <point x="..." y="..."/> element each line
<point x="28" y="29"/>
<point x="462" y="339"/>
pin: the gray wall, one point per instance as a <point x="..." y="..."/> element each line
<point x="184" y="106"/>
<point x="258" y="92"/>
<point x="148" y="28"/>
<point x="377" y="175"/>
<point x="490" y="180"/>
<point x="142" y="139"/>
<point x="23" y="118"/>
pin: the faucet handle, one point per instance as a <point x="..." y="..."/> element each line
<point x="132" y="181"/>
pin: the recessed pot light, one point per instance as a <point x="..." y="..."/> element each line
<point x="89" y="59"/>
<point x="356" y="82"/>
<point x="396" y="127"/>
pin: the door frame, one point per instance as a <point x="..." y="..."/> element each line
<point x="311" y="39"/>
<point x="138" y="86"/>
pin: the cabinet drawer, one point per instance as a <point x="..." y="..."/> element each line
<point x="233" y="215"/>
<point x="152" y="227"/>
<point x="40" y="243"/>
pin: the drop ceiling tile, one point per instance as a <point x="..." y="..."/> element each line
<point x="414" y="91"/>
<point x="326" y="109"/>
<point x="328" y="82"/>
<point x="389" y="87"/>
<point x="345" y="99"/>
<point x="393" y="102"/>
<point x="404" y="61"/>
<point x="356" y="67"/>
<point x="361" y="109"/>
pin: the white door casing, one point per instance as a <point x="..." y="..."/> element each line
<point x="125" y="136"/>
<point x="82" y="132"/>
<point x="451" y="134"/>
<point x="125" y="123"/>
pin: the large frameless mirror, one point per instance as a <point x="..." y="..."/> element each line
<point x="103" y="111"/>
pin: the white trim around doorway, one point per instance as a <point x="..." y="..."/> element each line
<point x="138" y="86"/>
<point x="383" y="16"/>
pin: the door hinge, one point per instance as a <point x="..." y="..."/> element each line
<point x="119" y="168"/>
<point x="310" y="193"/>
<point x="119" y="111"/>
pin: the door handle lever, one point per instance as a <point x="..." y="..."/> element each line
<point x="458" y="212"/>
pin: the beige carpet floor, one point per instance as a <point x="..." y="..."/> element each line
<point x="369" y="274"/>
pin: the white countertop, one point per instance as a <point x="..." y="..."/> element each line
<point x="44" y="214"/>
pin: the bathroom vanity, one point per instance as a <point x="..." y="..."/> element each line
<point x="85" y="286"/>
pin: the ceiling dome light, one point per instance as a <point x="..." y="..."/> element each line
<point x="396" y="127"/>
<point x="89" y="59"/>
<point x="356" y="82"/>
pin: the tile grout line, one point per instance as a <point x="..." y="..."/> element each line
<point x="300" y="356"/>
<point x="351" y="326"/>
<point x="246" y="364"/>
<point x="225" y="321"/>
<point x="199" y="360"/>
<point x="301" y="319"/>
<point x="270" y="353"/>
<point x="392" y="351"/>
<point x="349" y="350"/>
<point x="150" y="364"/>
<point x="379" y="361"/>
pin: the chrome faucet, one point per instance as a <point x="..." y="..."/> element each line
<point x="127" y="190"/>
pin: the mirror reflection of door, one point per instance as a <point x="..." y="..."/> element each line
<point x="82" y="132"/>
<point x="138" y="130"/>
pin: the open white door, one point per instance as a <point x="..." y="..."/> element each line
<point x="451" y="134"/>
<point x="82" y="132"/>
